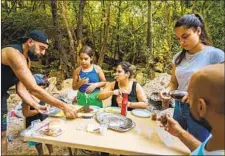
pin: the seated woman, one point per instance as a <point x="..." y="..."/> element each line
<point x="88" y="78"/>
<point x="124" y="84"/>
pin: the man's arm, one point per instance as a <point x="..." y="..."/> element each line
<point x="19" y="66"/>
<point x="173" y="127"/>
<point x="189" y="140"/>
<point x="27" y="98"/>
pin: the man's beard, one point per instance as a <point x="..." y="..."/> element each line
<point x="32" y="54"/>
<point x="203" y="122"/>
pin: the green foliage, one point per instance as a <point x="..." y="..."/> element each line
<point x="127" y="29"/>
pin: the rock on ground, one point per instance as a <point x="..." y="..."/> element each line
<point x="157" y="84"/>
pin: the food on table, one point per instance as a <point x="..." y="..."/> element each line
<point x="164" y="119"/>
<point x="154" y="116"/>
<point x="53" y="132"/>
<point x="85" y="109"/>
<point x="54" y="123"/>
<point x="54" y="128"/>
<point x="113" y="109"/>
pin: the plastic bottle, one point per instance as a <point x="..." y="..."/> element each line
<point x="124" y="104"/>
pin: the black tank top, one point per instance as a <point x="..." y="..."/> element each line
<point x="132" y="97"/>
<point x="8" y="77"/>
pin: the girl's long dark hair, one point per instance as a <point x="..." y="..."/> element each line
<point x="87" y="50"/>
<point x="192" y="21"/>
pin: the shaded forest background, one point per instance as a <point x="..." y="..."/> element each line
<point x="141" y="32"/>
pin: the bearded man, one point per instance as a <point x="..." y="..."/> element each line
<point x="15" y="68"/>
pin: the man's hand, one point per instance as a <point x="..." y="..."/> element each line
<point x="171" y="125"/>
<point x="69" y="111"/>
<point x="90" y="88"/>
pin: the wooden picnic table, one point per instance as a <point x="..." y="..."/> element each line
<point x="133" y="142"/>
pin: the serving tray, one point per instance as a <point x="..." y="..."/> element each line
<point x="116" y="121"/>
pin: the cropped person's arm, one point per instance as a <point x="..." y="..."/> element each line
<point x="27" y="112"/>
<point x="142" y="99"/>
<point x="107" y="91"/>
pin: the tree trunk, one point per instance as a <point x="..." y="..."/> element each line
<point x="69" y="33"/>
<point x="106" y="35"/>
<point x="80" y="27"/>
<point x="169" y="33"/>
<point x="149" y="63"/>
<point x="64" y="59"/>
<point x="194" y="9"/>
<point x="117" y="52"/>
<point x="182" y="7"/>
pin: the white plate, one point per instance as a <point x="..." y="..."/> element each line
<point x="113" y="109"/>
<point x="141" y="113"/>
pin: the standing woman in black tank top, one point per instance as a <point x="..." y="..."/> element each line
<point x="124" y="84"/>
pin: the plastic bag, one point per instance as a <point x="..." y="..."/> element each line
<point x="34" y="128"/>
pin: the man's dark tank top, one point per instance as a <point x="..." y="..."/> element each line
<point x="8" y="77"/>
<point x="132" y="97"/>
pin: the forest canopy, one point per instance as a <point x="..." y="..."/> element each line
<point x="141" y="32"/>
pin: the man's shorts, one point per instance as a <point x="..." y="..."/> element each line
<point x="4" y="112"/>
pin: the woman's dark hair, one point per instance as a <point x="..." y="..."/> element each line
<point x="128" y="68"/>
<point x="192" y="21"/>
<point x="87" y="50"/>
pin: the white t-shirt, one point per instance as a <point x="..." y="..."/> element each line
<point x="201" y="149"/>
<point x="192" y="63"/>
